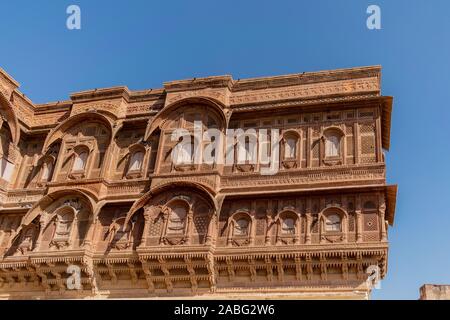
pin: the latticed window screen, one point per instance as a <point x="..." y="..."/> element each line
<point x="201" y="224"/>
<point x="260" y="227"/>
<point x="155" y="228"/>
<point x="368" y="144"/>
<point x="370" y="222"/>
<point x="315" y="151"/>
<point x="351" y="222"/>
<point x="350" y="148"/>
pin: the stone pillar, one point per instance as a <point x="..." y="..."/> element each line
<point x="73" y="230"/>
<point x="278" y="232"/>
<point x="41" y="231"/>
<point x="383" y="219"/>
<point x="379" y="148"/>
<point x="147" y="221"/>
<point x="321" y="229"/>
<point x="344" y="228"/>
<point x="230" y="232"/>
<point x="59" y="161"/>
<point x="106" y="166"/>
<point x="269" y="221"/>
<point x="358" y="220"/>
<point x="211" y="229"/>
<point x="2" y="232"/>
<point x="88" y="240"/>
<point x="308" y="148"/>
<point x="356" y="142"/>
<point x="190" y="225"/>
<point x="308" y="222"/>
<point x="298" y="230"/>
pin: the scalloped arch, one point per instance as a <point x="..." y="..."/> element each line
<point x="42" y="204"/>
<point x="291" y="132"/>
<point x="140" y="203"/>
<point x="59" y="131"/>
<point x="7" y="110"/>
<point x="333" y="129"/>
<point x="333" y="209"/>
<point x="161" y="116"/>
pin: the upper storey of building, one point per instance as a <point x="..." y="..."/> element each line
<point x="331" y="128"/>
<point x="303" y="91"/>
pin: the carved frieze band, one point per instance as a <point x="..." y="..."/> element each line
<point x="307" y="91"/>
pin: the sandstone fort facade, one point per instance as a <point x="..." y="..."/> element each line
<point x="90" y="182"/>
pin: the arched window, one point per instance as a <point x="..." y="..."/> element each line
<point x="241" y="227"/>
<point x="213" y="151"/>
<point x="290" y="148"/>
<point x="80" y="161"/>
<point x="246" y="149"/>
<point x="177" y="220"/>
<point x="265" y="147"/>
<point x="6" y="169"/>
<point x="136" y="161"/>
<point x="63" y="225"/>
<point x="288" y="226"/>
<point x="333" y="223"/>
<point x="47" y="169"/>
<point x="184" y="152"/>
<point x="332" y="145"/>
<point x="248" y="154"/>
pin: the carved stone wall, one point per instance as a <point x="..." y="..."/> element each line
<point x="94" y="185"/>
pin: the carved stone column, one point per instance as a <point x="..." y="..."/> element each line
<point x="252" y="233"/>
<point x="88" y="240"/>
<point x="41" y="231"/>
<point x="74" y="230"/>
<point x="298" y="230"/>
<point x="308" y="149"/>
<point x="278" y="231"/>
<point x="308" y="222"/>
<point x="344" y="228"/>
<point x="358" y="220"/>
<point x="211" y="229"/>
<point x="346" y="219"/>
<point x="269" y="221"/>
<point x="356" y="141"/>
<point x="230" y="233"/>
<point x="322" y="229"/>
<point x="383" y="220"/>
<point x="147" y="221"/>
<point x="190" y="225"/>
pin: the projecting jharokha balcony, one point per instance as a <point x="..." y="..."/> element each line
<point x="108" y="186"/>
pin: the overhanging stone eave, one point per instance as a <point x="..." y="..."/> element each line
<point x="391" y="200"/>
<point x="386" y="114"/>
<point x="309" y="77"/>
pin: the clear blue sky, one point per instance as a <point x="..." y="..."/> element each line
<point x="142" y="44"/>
